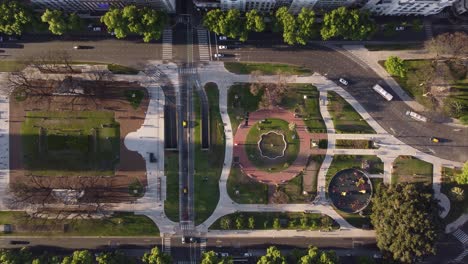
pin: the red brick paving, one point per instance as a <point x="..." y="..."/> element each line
<point x="277" y="177"/>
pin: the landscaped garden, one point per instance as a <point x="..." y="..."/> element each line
<point x="345" y="118"/>
<point x="119" y="224"/>
<point x="265" y="68"/>
<point x="350" y="190"/>
<point x="438" y="85"/>
<point x="369" y="164"/>
<point x="354" y="144"/>
<point x="283" y="140"/>
<point x="408" y="169"/>
<point x="274" y="221"/>
<point x="303" y="99"/>
<point x="208" y="163"/>
<point x="66" y="143"/>
<point x="242" y="189"/>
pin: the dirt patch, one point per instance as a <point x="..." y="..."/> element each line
<point x="107" y="96"/>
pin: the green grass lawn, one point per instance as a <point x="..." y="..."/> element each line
<point x="171" y="168"/>
<point x="249" y="190"/>
<point x="264" y="221"/>
<point x="120" y="69"/>
<point x="457" y="206"/>
<point x="84" y="143"/>
<point x="294" y="190"/>
<point x="308" y="109"/>
<point x="265" y="68"/>
<point x="253" y="152"/>
<point x="341" y="162"/>
<point x="134" y="97"/>
<point x="458" y="94"/>
<point x="120" y="224"/>
<point x="241" y="100"/>
<point x="354" y="144"/>
<point x="345" y="118"/>
<point x="407" y="169"/>
<point x="406" y="46"/>
<point x="208" y="163"/>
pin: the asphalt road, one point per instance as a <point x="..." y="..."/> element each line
<point x="390" y="115"/>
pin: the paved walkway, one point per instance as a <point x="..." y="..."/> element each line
<point x="390" y="149"/>
<point x="276" y="177"/>
<point x="4" y="142"/>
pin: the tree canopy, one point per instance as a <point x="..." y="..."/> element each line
<point x="79" y="257"/>
<point x="56" y="21"/>
<point x="210" y="257"/>
<point x="115" y="257"/>
<point x="314" y="256"/>
<point x="254" y="21"/>
<point x="273" y="256"/>
<point x="449" y="44"/>
<point x="156" y="257"/>
<point x="145" y="21"/>
<point x="406" y="221"/>
<point x="296" y="30"/>
<point x="14" y="18"/>
<point x="349" y="24"/>
<point x="232" y="24"/>
<point x="396" y="66"/>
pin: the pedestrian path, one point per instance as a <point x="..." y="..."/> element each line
<point x="167" y="44"/>
<point x="203" y="45"/>
<point x="189" y="70"/>
<point x="428" y="29"/>
<point x="202" y="245"/>
<point x="4" y="143"/>
<point x="461" y="236"/>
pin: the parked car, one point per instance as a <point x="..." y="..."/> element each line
<point x="223" y="254"/>
<point x="153" y="159"/>
<point x="222" y="47"/>
<point x="222" y="38"/>
<point x="185" y="190"/>
<point x="343" y="81"/>
<point x="97" y="29"/>
<point x="19" y="242"/>
<point x="248" y="255"/>
<point x="219" y="55"/>
<point x="400" y="28"/>
<point x="77" y="47"/>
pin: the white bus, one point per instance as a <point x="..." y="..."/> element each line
<point x="416" y="116"/>
<point x="382" y="92"/>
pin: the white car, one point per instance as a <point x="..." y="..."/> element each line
<point x="399" y="28"/>
<point x="343" y="81"/>
<point x="223" y="254"/>
<point x="222" y="38"/>
<point x="222" y="47"/>
<point x="97" y="29"/>
<point x="218" y="55"/>
<point x="248" y="255"/>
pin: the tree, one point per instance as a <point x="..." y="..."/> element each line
<point x="288" y="24"/>
<point x="115" y="257"/>
<point x="79" y="257"/>
<point x="254" y="21"/>
<point x="304" y="221"/>
<point x="56" y="21"/>
<point x="251" y="222"/>
<point x="328" y="257"/>
<point x="365" y="260"/>
<point x="156" y="257"/>
<point x="396" y="66"/>
<point x="292" y="126"/>
<point x="457" y="194"/>
<point x="326" y="222"/>
<point x="449" y="44"/>
<point x="15" y="256"/>
<point x="240" y="222"/>
<point x="115" y="22"/>
<point x="75" y="23"/>
<point x="311" y="257"/>
<point x="211" y="20"/>
<point x="276" y="224"/>
<point x="225" y="223"/>
<point x="349" y="24"/>
<point x="210" y="257"/>
<point x="14" y="18"/>
<point x="462" y="178"/>
<point x="406" y="221"/>
<point x="273" y="256"/>
<point x="153" y="22"/>
<point x="305" y="26"/>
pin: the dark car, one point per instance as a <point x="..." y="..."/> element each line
<point x="153" y="159"/>
<point x="19" y="242"/>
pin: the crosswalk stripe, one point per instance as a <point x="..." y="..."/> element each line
<point x="203" y="48"/>
<point x="461" y="236"/>
<point x="202" y="245"/>
<point x="461" y="256"/>
<point x="167" y="245"/>
<point x="167" y="44"/>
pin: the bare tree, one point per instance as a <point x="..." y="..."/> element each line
<point x="449" y="45"/>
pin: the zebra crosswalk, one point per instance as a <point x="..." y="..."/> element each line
<point x="460" y="257"/>
<point x="167" y="44"/>
<point x="203" y="245"/>
<point x="428" y="29"/>
<point x="461" y="236"/>
<point x="167" y="244"/>
<point x="187" y="70"/>
<point x="187" y="226"/>
<point x="203" y="48"/>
